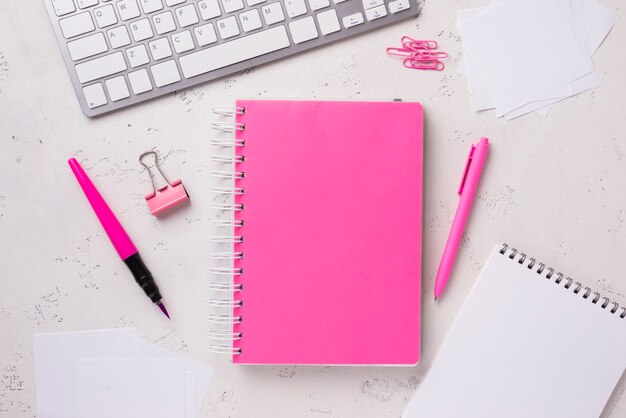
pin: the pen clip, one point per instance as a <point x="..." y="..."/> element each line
<point x="466" y="169"/>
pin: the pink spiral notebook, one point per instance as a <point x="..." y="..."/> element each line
<point x="330" y="271"/>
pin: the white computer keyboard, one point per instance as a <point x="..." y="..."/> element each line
<point x="122" y="52"/>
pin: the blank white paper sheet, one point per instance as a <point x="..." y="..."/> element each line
<point x="524" y="346"/>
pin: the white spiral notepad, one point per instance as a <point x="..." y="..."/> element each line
<point x="529" y="342"/>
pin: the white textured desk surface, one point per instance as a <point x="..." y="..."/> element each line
<point x="554" y="187"/>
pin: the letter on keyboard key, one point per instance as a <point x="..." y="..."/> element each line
<point x="94" y="95"/>
<point x="150" y="6"/>
<point x="295" y="7"/>
<point x="117" y="88"/>
<point x="141" y="30"/>
<point x="209" y="9"/>
<point x="105" y="16"/>
<point x="100" y="67"/>
<point x="328" y="22"/>
<point x="63" y="7"/>
<point x="87" y="46"/>
<point x="137" y="56"/>
<point x="232" y="5"/>
<point x="239" y="50"/>
<point x="273" y="13"/>
<point x="128" y="9"/>
<point x="160" y="49"/>
<point x="165" y="73"/>
<point x="140" y="81"/>
<point x="228" y="27"/>
<point x="186" y="15"/>
<point x="303" y="30"/>
<point x="182" y="42"/>
<point x="76" y="25"/>
<point x="205" y="34"/>
<point x="164" y="23"/>
<point x="250" y="20"/>
<point x="118" y="36"/>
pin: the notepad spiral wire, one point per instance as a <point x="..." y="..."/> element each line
<point x="227" y="293"/>
<point x="559" y="278"/>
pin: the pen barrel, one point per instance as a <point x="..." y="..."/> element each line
<point x="143" y="277"/>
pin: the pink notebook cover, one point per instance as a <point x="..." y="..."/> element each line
<point x="332" y="233"/>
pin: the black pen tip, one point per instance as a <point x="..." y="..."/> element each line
<point x="162" y="307"/>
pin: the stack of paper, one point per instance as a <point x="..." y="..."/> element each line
<point x="114" y="373"/>
<point x="525" y="55"/>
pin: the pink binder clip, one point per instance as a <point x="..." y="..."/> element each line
<point x="166" y="197"/>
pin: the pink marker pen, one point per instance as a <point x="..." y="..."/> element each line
<point x="119" y="238"/>
<point x="467" y="191"/>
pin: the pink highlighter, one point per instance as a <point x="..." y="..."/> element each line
<point x="118" y="236"/>
<point x="467" y="191"/>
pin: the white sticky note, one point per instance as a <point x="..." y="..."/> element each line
<point x="133" y="390"/>
<point x="524" y="50"/>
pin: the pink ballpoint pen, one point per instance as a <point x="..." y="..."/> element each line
<point x="467" y="191"/>
<point x="118" y="236"/>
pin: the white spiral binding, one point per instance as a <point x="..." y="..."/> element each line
<point x="223" y="289"/>
<point x="228" y="110"/>
<point x="220" y="142"/>
<point x="513" y="254"/>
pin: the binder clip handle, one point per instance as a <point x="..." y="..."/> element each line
<point x="164" y="198"/>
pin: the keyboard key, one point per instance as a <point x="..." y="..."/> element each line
<point x="254" y="2"/>
<point x="205" y="34"/>
<point x="83" y="4"/>
<point x="173" y="2"/>
<point x="295" y="7"/>
<point x="183" y="42"/>
<point x="399" y="5"/>
<point x="303" y="30"/>
<point x="94" y="95"/>
<point x="117" y="88"/>
<point x="352" y="20"/>
<point x="118" y="37"/>
<point x="370" y="4"/>
<point x="137" y="56"/>
<point x="160" y="49"/>
<point x="128" y="9"/>
<point x="239" y="50"/>
<point x="328" y="22"/>
<point x="376" y="13"/>
<point x="87" y="47"/>
<point x="63" y="7"/>
<point x="140" y="81"/>
<point x="319" y="4"/>
<point x="164" y="23"/>
<point x="209" y="9"/>
<point x="150" y="6"/>
<point x="76" y="25"/>
<point x="228" y="27"/>
<point x="250" y="20"/>
<point x="105" y="16"/>
<point x="165" y="73"/>
<point x="141" y="30"/>
<point x="273" y="13"/>
<point x="232" y="5"/>
<point x="100" y="67"/>
<point x="186" y="15"/>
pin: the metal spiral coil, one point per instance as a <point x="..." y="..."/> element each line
<point x="228" y="295"/>
<point x="521" y="259"/>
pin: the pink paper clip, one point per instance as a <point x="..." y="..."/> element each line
<point x="166" y="197"/>
<point x="425" y="44"/>
<point x="417" y="64"/>
<point x="399" y="52"/>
